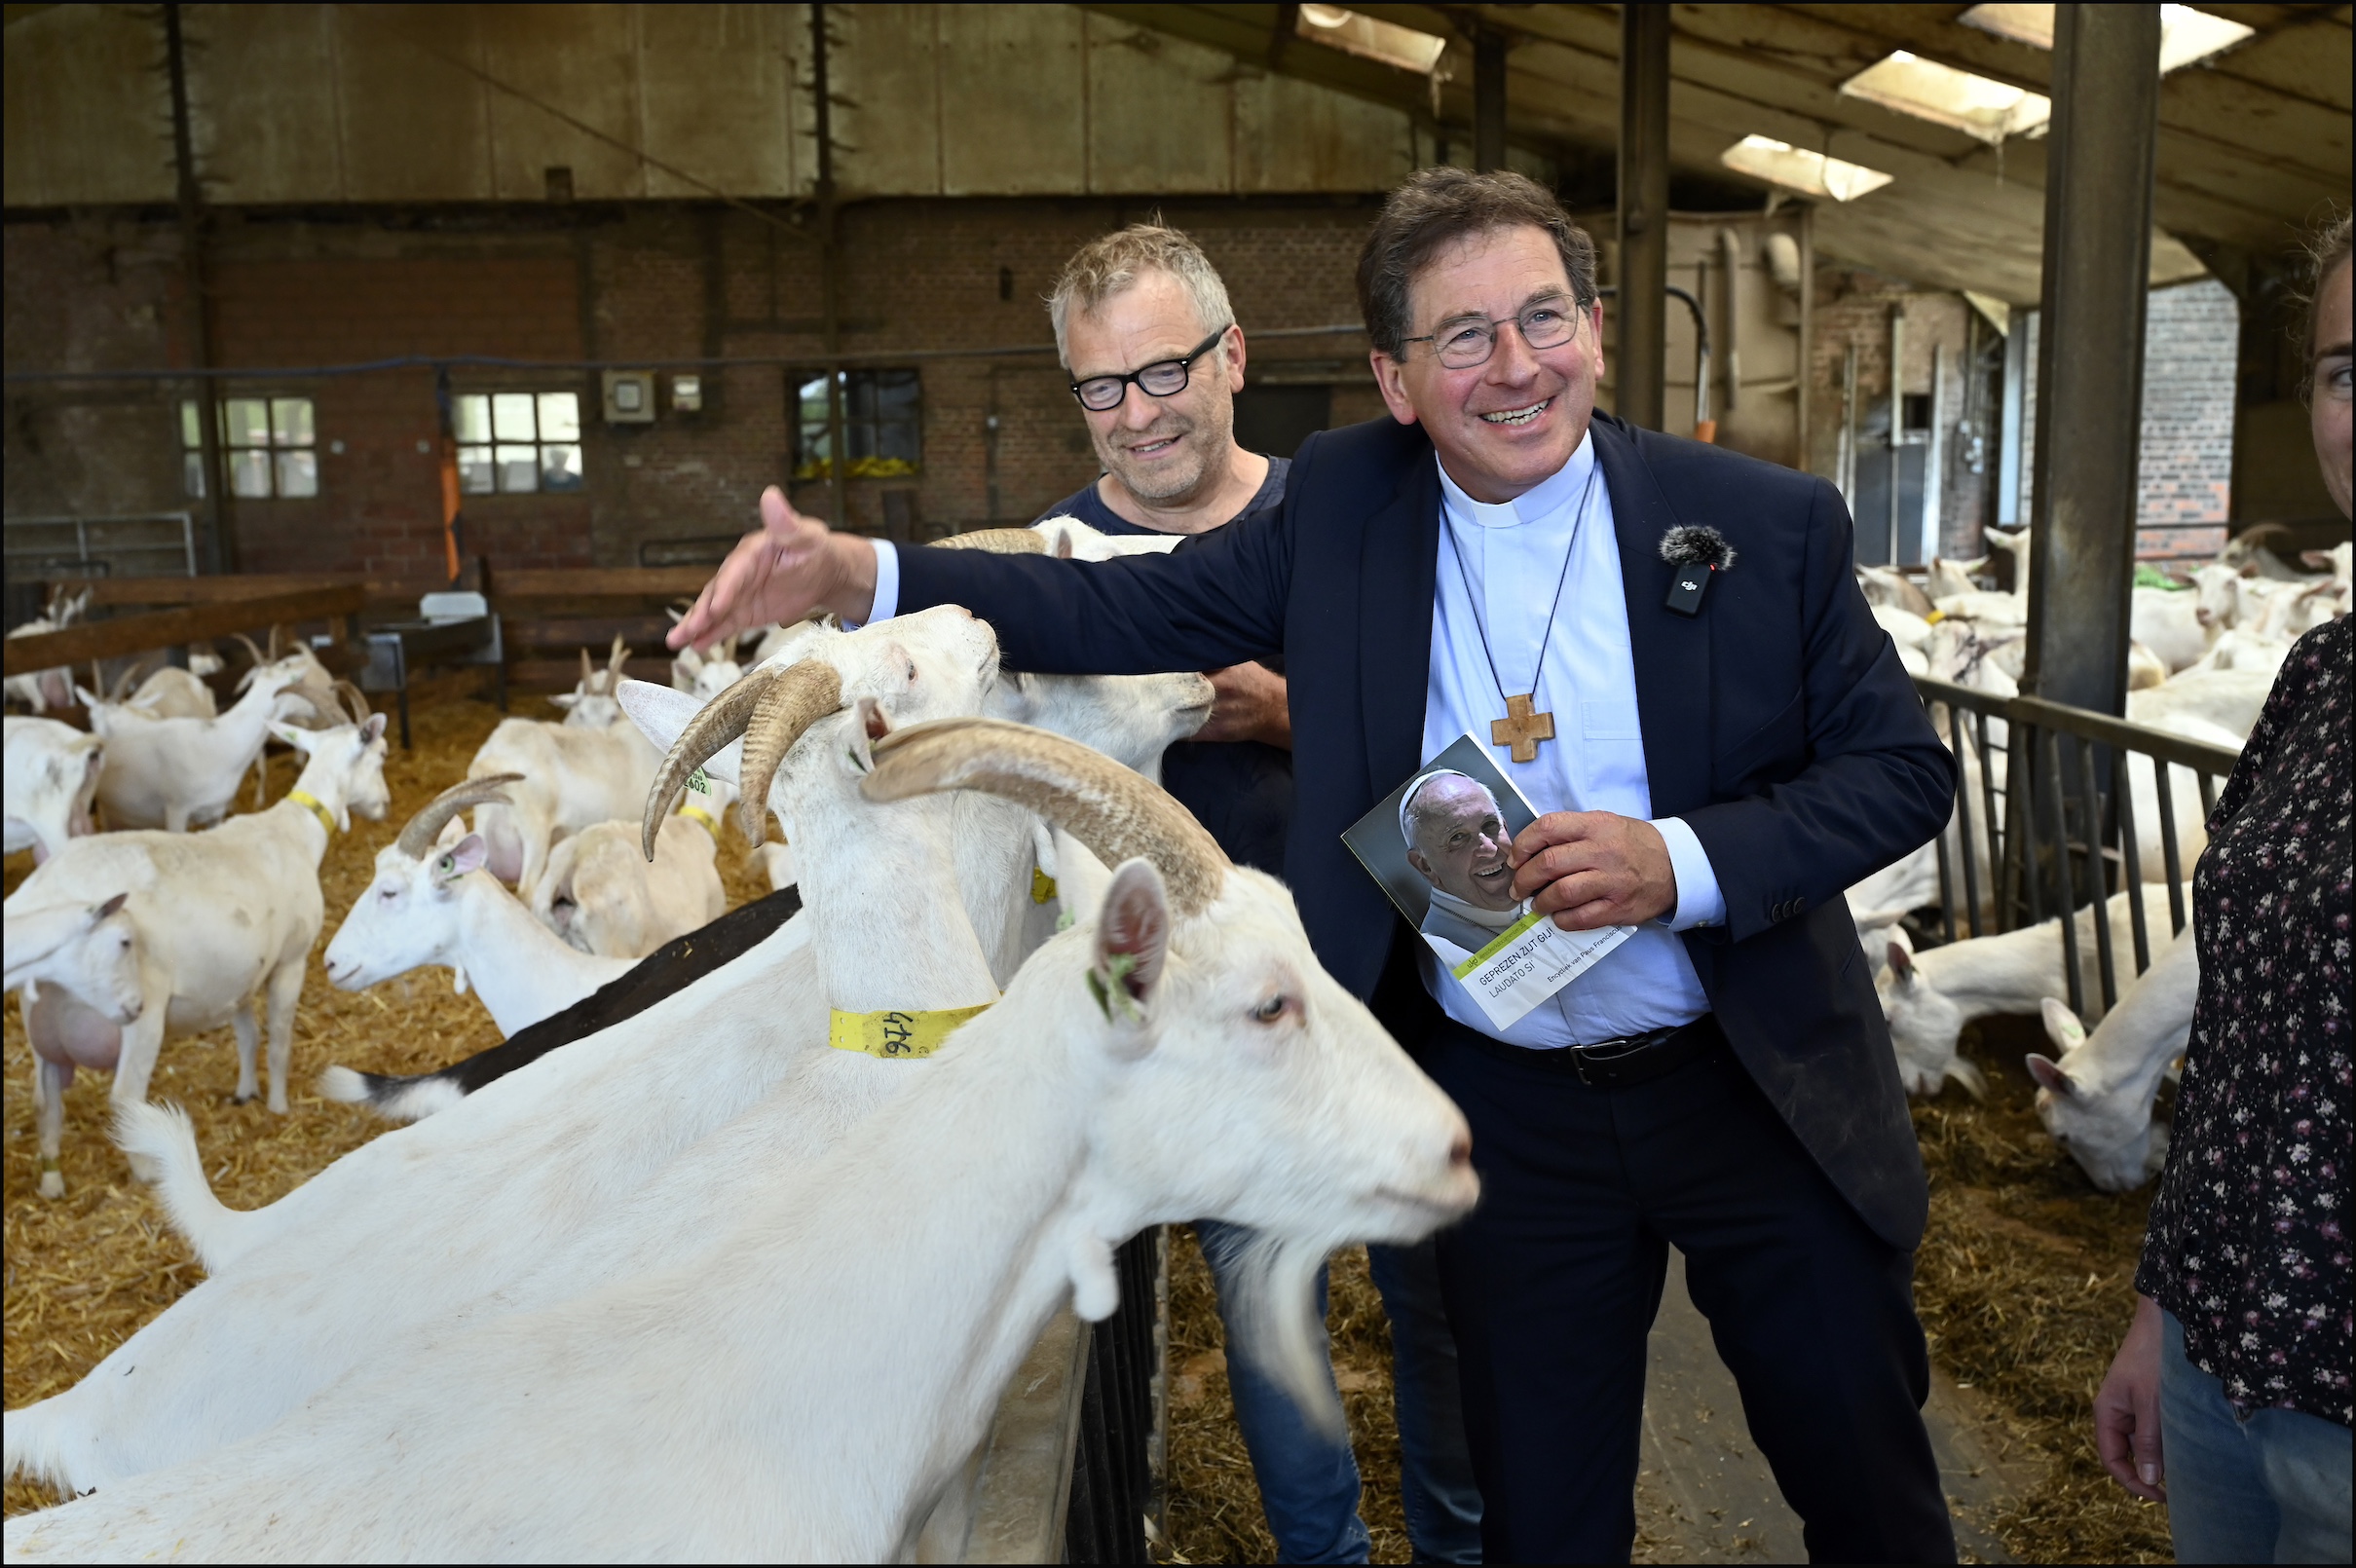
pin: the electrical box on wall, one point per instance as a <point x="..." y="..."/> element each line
<point x="687" y="394"/>
<point x="630" y="397"/>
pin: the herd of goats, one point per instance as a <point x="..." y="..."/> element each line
<point x="676" y="1290"/>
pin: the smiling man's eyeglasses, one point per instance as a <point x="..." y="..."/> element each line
<point x="1464" y="341"/>
<point x="1165" y="378"/>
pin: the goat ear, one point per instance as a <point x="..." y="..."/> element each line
<point x="288" y="736"/>
<point x="89" y="698"/>
<point x="2049" y="1075"/>
<point x="1132" y="941"/>
<point x="662" y="715"/>
<point x="373" y="730"/>
<point x="467" y="854"/>
<point x="1901" y="963"/>
<point x="2062" y="1027"/>
<point x="1063" y="549"/>
<point x="565" y="699"/>
<point x="107" y="909"/>
<point x="872" y="724"/>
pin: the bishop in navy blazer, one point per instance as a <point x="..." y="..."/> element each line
<point x="1777" y="722"/>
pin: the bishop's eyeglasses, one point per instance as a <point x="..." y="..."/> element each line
<point x="1164" y="378"/>
<point x="1469" y="340"/>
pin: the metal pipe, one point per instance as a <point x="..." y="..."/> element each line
<point x="1845" y="459"/>
<point x="219" y="555"/>
<point x="1489" y="100"/>
<point x="830" y="270"/>
<point x="1934" y="463"/>
<point x="2090" y="352"/>
<point x="1643" y="204"/>
<point x="1897" y="424"/>
<point x="2010" y="431"/>
<point x="1729" y="252"/>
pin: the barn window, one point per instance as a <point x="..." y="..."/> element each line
<point x="270" y="446"/>
<point x="516" y="442"/>
<point x="882" y="425"/>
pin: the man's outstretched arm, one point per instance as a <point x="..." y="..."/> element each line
<point x="1218" y="602"/>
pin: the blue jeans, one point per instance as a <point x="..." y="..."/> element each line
<point x="1308" y="1482"/>
<point x="2256" y="1486"/>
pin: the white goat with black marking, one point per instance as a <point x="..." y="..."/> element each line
<point x="431" y="902"/>
<point x="226" y="921"/>
<point x="1180" y="1054"/>
<point x="51" y="778"/>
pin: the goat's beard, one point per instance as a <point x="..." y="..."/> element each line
<point x="1272" y="1303"/>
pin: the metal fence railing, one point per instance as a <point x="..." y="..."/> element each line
<point x="123" y="545"/>
<point x="2043" y="827"/>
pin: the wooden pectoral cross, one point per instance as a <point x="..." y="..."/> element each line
<point x="1522" y="728"/>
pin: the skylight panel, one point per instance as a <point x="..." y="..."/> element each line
<point x="1975" y="105"/>
<point x="2185" y="36"/>
<point x="1368" y="38"/>
<point x="1796" y="169"/>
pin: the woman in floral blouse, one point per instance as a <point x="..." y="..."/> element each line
<point x="2229" y="1399"/>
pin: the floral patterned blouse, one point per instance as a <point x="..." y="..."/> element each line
<point x="2248" y="1244"/>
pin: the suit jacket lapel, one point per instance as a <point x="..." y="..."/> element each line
<point x="1396" y="575"/>
<point x="1672" y="650"/>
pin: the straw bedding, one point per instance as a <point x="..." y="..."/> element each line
<point x="2024" y="1281"/>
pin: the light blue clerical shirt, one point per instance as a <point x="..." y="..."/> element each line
<point x="1507" y="560"/>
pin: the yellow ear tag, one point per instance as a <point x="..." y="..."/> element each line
<point x="1042" y="886"/>
<point x="897" y="1036"/>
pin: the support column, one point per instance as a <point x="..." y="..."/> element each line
<point x="2090" y="352"/>
<point x="1643" y="298"/>
<point x="1489" y="100"/>
<point x="220" y="553"/>
<point x="830" y="270"/>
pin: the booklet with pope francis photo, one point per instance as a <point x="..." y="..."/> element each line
<point x="1438" y="844"/>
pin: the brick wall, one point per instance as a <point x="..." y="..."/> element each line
<point x="2184" y="479"/>
<point x="635" y="283"/>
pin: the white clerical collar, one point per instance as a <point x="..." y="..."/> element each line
<point x="1475" y="915"/>
<point x="1548" y="499"/>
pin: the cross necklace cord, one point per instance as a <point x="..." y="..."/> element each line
<point x="1524" y="726"/>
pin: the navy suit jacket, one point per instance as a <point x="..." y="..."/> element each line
<point x="1777" y="722"/>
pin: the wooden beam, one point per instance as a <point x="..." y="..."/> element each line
<point x="1643" y="272"/>
<point x="602" y="583"/>
<point x="167" y="628"/>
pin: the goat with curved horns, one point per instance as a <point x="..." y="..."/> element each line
<point x="1180" y="1053"/>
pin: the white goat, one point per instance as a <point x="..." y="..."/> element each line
<point x="431" y="903"/>
<point x="91" y="951"/>
<point x="2167" y="621"/>
<point x="575" y="775"/>
<point x="2097" y="1099"/>
<point x="1927" y="997"/>
<point x="1180" y="1054"/>
<point x="224" y="916"/>
<point x="172" y="692"/>
<point x="2227" y="699"/>
<point x="51" y="777"/>
<point x="1070" y="539"/>
<point x="44" y="689"/>
<point x="1886" y="586"/>
<point x="600" y="895"/>
<point x="175" y="774"/>
<point x="534" y="1156"/>
<point x="590" y="704"/>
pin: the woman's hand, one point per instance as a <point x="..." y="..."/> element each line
<point x="2126" y="1409"/>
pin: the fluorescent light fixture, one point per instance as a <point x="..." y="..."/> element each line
<point x="1354" y="33"/>
<point x="2185" y="36"/>
<point x="1796" y="169"/>
<point x="1944" y="95"/>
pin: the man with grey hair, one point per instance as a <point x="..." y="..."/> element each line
<point x="1143" y="324"/>
<point x="1458" y="841"/>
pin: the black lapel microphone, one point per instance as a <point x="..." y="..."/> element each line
<point x="1696" y="555"/>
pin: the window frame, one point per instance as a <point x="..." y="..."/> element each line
<point x="807" y="462"/>
<point x="492" y="447"/>
<point x="280" y="442"/>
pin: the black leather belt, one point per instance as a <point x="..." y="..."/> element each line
<point x="1619" y="1063"/>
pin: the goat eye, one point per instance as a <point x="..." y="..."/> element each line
<point x="1269" y="1011"/>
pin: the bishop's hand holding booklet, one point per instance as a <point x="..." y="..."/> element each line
<point x="1440" y="846"/>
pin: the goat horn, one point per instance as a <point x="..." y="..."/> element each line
<point x="588" y="671"/>
<point x="253" y="653"/>
<point x="619" y="655"/>
<point x="277" y="633"/>
<point x="1116" y="812"/>
<point x="138" y="671"/>
<point x="420" y="831"/>
<point x="355" y="700"/>
<point x="726" y="716"/>
<point x="995" y="541"/>
<point x="789" y="703"/>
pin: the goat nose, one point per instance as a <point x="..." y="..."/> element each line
<point x="1460" y="1152"/>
